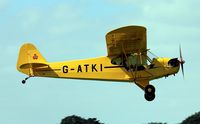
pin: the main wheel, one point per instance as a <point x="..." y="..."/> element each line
<point x="149" y="89"/>
<point x="149" y="96"/>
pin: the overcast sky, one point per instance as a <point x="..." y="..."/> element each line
<point x="66" y="30"/>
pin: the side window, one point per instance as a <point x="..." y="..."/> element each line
<point x="133" y="62"/>
<point x="116" y="61"/>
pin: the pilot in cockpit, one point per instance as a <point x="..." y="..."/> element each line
<point x="130" y="61"/>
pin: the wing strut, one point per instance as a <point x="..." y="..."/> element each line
<point x="129" y="65"/>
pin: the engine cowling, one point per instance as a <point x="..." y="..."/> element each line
<point x="174" y="62"/>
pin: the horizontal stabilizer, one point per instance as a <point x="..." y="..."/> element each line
<point x="33" y="65"/>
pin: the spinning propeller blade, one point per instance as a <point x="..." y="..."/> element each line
<point x="181" y="60"/>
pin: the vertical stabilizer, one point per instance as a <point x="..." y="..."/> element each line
<point x="29" y="58"/>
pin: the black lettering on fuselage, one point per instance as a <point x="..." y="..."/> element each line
<point x="101" y="67"/>
<point x="79" y="68"/>
<point x="94" y="67"/>
<point x="86" y="67"/>
<point x="65" y="69"/>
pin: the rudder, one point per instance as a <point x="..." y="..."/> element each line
<point x="29" y="58"/>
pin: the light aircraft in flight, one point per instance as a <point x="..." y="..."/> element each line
<point x="126" y="61"/>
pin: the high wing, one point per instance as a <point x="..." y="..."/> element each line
<point x="130" y="39"/>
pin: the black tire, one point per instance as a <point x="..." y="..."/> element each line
<point x="149" y="89"/>
<point x="150" y="96"/>
<point x="23" y="81"/>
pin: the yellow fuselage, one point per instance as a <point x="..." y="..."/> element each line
<point x="101" y="69"/>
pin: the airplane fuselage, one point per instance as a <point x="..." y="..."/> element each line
<point x="101" y="68"/>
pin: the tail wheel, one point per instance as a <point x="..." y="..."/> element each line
<point x="23" y="81"/>
<point x="149" y="89"/>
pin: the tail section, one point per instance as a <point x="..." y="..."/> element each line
<point x="30" y="58"/>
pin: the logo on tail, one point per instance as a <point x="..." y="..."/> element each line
<point x="35" y="57"/>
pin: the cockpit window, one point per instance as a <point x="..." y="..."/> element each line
<point x="130" y="61"/>
<point x="135" y="61"/>
<point x="116" y="61"/>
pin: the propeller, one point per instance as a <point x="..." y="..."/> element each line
<point x="181" y="60"/>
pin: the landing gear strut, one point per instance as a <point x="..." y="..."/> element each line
<point x="149" y="93"/>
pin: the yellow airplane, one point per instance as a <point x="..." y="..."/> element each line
<point x="127" y="61"/>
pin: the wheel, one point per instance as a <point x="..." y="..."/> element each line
<point x="149" y="96"/>
<point x="23" y="81"/>
<point x="149" y="89"/>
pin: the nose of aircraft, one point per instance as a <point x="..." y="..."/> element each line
<point x="174" y="62"/>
